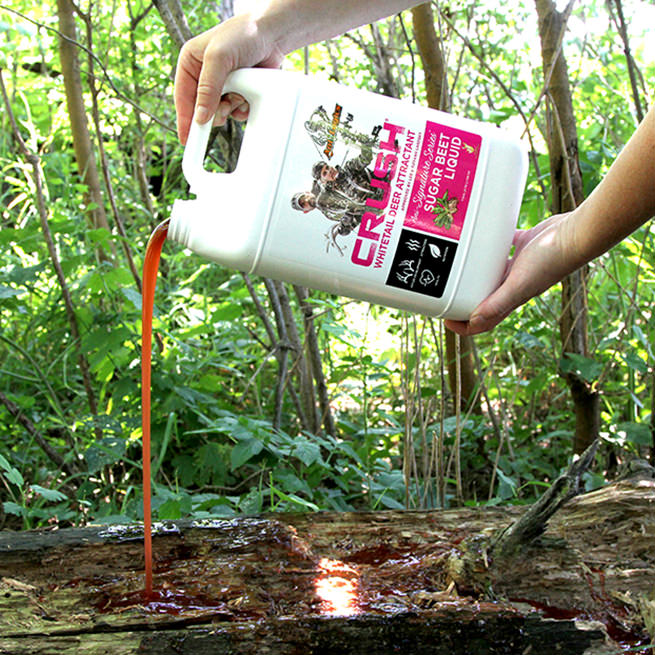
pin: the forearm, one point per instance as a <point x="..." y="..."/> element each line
<point x="624" y="200"/>
<point x="292" y="24"/>
<point x="259" y="38"/>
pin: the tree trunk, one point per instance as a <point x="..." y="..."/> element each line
<point x="315" y="361"/>
<point x="429" y="47"/>
<point x="174" y="20"/>
<point x="436" y="87"/>
<point x="371" y="582"/>
<point x="82" y="144"/>
<point x="299" y="364"/>
<point x="567" y="193"/>
<point x="466" y="388"/>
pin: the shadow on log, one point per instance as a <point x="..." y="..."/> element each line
<point x="373" y="583"/>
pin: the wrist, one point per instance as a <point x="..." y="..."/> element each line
<point x="573" y="244"/>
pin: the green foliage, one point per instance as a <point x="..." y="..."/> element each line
<point x="215" y="374"/>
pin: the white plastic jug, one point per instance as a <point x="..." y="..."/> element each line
<point x="357" y="194"/>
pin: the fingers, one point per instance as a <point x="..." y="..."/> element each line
<point x="539" y="261"/>
<point x="186" y="80"/>
<point x="485" y="316"/>
<point x="231" y="104"/>
<point x="215" y="68"/>
<point x="205" y="62"/>
<point x="202" y="68"/>
<point x="203" y="81"/>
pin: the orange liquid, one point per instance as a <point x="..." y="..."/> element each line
<point x="150" y="268"/>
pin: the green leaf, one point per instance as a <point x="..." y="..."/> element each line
<point x="9" y="292"/>
<point x="389" y="502"/>
<point x="4" y="464"/>
<point x="12" y="474"/>
<point x="227" y="312"/>
<point x="22" y="274"/>
<point x="51" y="495"/>
<point x="296" y="500"/>
<point x="12" y="508"/>
<point x="290" y="481"/>
<point x="100" y="236"/>
<point x="635" y="362"/>
<point x="585" y="367"/>
<point x="636" y="433"/>
<point x="506" y="486"/>
<point x="244" y="451"/>
<point x="307" y="452"/>
<point x="133" y="296"/>
<point x="170" y="509"/>
<point x="104" y="452"/>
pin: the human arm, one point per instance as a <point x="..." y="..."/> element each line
<point x="624" y="200"/>
<point x="259" y="39"/>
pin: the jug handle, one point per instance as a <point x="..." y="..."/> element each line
<point x="265" y="136"/>
<point x="196" y="147"/>
<point x="194" y="156"/>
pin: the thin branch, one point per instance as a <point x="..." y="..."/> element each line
<point x="18" y="414"/>
<point x="533" y="522"/>
<point x="619" y="22"/>
<point x="35" y="162"/>
<point x="506" y="90"/>
<point x="106" y="76"/>
<point x="104" y="163"/>
<point x="411" y="54"/>
<point x="174" y="20"/>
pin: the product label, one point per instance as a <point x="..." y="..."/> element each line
<point x="442" y="181"/>
<point x="379" y="201"/>
<point x="422" y="263"/>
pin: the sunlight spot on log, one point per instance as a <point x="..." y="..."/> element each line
<point x="337" y="584"/>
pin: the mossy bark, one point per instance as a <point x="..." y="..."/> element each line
<point x="336" y="583"/>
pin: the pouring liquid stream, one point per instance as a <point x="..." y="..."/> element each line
<point x="150" y="268"/>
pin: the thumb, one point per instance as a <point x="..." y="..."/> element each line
<point x="493" y="309"/>
<point x="485" y="316"/>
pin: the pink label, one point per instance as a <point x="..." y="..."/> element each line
<point x="443" y="181"/>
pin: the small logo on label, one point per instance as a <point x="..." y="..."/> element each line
<point x="422" y="263"/>
<point x="406" y="271"/>
<point x="332" y="131"/>
<point x="435" y="251"/>
<point x="427" y="277"/>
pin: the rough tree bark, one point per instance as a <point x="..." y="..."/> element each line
<point x="567" y="193"/>
<point x="174" y="20"/>
<point x="429" y="47"/>
<point x="82" y="144"/>
<point x="315" y="361"/>
<point x="330" y="583"/>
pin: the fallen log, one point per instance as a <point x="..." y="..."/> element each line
<point x="372" y="583"/>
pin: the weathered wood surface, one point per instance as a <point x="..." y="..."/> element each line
<point x="371" y="583"/>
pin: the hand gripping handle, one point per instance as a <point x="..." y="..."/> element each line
<point x="196" y="147"/>
<point x="272" y="95"/>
